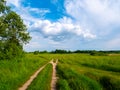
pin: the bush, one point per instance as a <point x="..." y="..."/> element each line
<point x="36" y="52"/>
<point x="96" y="53"/>
<point x="11" y="51"/>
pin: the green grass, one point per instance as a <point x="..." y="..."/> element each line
<point x="105" y="70"/>
<point x="62" y="84"/>
<point x="15" y="72"/>
<point x="96" y="71"/>
<point x="74" y="81"/>
<point x="42" y="82"/>
<point x="75" y="71"/>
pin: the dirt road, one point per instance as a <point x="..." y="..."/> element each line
<point x="27" y="83"/>
<point x="54" y="77"/>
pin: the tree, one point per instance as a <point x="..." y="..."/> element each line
<point x="36" y="52"/>
<point x="13" y="33"/>
<point x="59" y="51"/>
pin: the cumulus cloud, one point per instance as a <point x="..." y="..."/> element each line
<point x="97" y="15"/>
<point x="63" y="29"/>
<point x="84" y="19"/>
<point x="106" y="10"/>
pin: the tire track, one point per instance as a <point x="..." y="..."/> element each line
<point x="28" y="82"/>
<point x="54" y="77"/>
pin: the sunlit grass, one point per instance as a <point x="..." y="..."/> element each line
<point x="105" y="70"/>
<point x="95" y="72"/>
<point x="74" y="80"/>
<point x="43" y="80"/>
<point x="15" y="72"/>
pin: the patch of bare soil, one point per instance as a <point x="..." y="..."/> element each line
<point x="54" y="77"/>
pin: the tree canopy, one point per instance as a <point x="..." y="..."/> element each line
<point x="13" y="33"/>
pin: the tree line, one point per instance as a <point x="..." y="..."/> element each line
<point x="91" y="52"/>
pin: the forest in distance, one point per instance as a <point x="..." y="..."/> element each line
<point x="60" y="51"/>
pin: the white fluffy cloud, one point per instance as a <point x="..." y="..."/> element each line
<point x="86" y="19"/>
<point x="103" y="10"/>
<point x="60" y="29"/>
<point x="100" y="15"/>
<point x="64" y="28"/>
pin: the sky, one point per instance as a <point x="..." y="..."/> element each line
<point x="70" y="24"/>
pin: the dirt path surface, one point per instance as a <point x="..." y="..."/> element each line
<point x="54" y="78"/>
<point x="27" y="83"/>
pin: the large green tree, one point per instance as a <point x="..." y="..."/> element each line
<point x="13" y="33"/>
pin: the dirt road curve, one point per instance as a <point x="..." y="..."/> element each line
<point x="25" y="86"/>
<point x="54" y="78"/>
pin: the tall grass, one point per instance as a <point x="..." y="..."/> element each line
<point x="108" y="63"/>
<point x="75" y="71"/>
<point x="42" y="82"/>
<point x="15" y="72"/>
<point x="74" y="81"/>
<point x="94" y="67"/>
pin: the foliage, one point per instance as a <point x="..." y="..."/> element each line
<point x="36" y="52"/>
<point x="12" y="33"/>
<point x="39" y="52"/>
<point x="43" y="51"/>
<point x="91" y="52"/>
<point x="96" y="53"/>
<point x="59" y="51"/>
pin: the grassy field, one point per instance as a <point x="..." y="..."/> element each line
<point x="86" y="72"/>
<point x="75" y="72"/>
<point x="15" y="72"/>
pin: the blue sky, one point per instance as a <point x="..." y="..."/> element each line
<point x="70" y="24"/>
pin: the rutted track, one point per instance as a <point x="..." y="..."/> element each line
<point x="54" y="77"/>
<point x="53" y="81"/>
<point x="28" y="82"/>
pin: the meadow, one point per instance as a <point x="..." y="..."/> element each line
<point x="15" y="73"/>
<point x="86" y="72"/>
<point x="75" y="72"/>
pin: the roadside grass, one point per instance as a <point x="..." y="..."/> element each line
<point x="14" y="73"/>
<point x="100" y="62"/>
<point x="74" y="81"/>
<point x="43" y="80"/>
<point x="95" y="72"/>
<point x="108" y="78"/>
<point x="108" y="63"/>
<point x="62" y="84"/>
